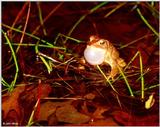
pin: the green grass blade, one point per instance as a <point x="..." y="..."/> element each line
<point x="46" y="64"/>
<point x="83" y="17"/>
<point x="114" y="9"/>
<point x="148" y="88"/>
<point x="48" y="16"/>
<point x="67" y="37"/>
<point x="40" y="45"/>
<point x="126" y="81"/>
<point x="15" y="61"/>
<point x="49" y="68"/>
<point x="5" y="83"/>
<point x="131" y="60"/>
<point x="106" y="78"/>
<point x="142" y="78"/>
<point x="146" y="22"/>
<point x="35" y="37"/>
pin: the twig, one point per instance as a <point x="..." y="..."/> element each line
<point x="114" y="9"/>
<point x="106" y="78"/>
<point x="83" y="17"/>
<point x="18" y="16"/>
<point x="134" y="41"/>
<point x="48" y="16"/>
<point x="25" y="26"/>
<point x="41" y="19"/>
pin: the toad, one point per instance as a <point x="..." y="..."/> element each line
<point x="100" y="51"/>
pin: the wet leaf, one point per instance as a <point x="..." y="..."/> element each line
<point x="69" y="114"/>
<point x="41" y="91"/>
<point x="32" y="94"/>
<point x="48" y="108"/>
<point x="99" y="111"/>
<point x="133" y="120"/>
<point x="104" y="122"/>
<point x="61" y="112"/>
<point x="89" y="96"/>
<point x="11" y="105"/>
<point x="52" y="120"/>
<point x="150" y="102"/>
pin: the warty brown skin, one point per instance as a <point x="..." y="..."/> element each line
<point x="111" y="56"/>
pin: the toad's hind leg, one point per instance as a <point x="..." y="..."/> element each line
<point x="113" y="73"/>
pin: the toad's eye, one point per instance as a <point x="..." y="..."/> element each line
<point x="101" y="42"/>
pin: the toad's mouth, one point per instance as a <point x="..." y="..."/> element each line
<point x="94" y="45"/>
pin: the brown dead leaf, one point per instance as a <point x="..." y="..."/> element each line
<point x="127" y="119"/>
<point x="34" y="93"/>
<point x="90" y="96"/>
<point x="54" y="112"/>
<point x="98" y="122"/>
<point x="52" y="120"/>
<point x="10" y="103"/>
<point x="42" y="90"/>
<point x="99" y="111"/>
<point x="69" y="114"/>
<point x="48" y="108"/>
<point x="104" y="122"/>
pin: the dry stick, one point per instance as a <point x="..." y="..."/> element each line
<point x="25" y="26"/>
<point x="115" y="9"/>
<point x="134" y="41"/>
<point x="152" y="9"/>
<point x="118" y="100"/>
<point x="14" y="23"/>
<point x="106" y="79"/>
<point x="41" y="19"/>
<point x="83" y="17"/>
<point x="47" y="17"/>
<point x="30" y="122"/>
<point x="63" y="98"/>
<point x="18" y="16"/>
